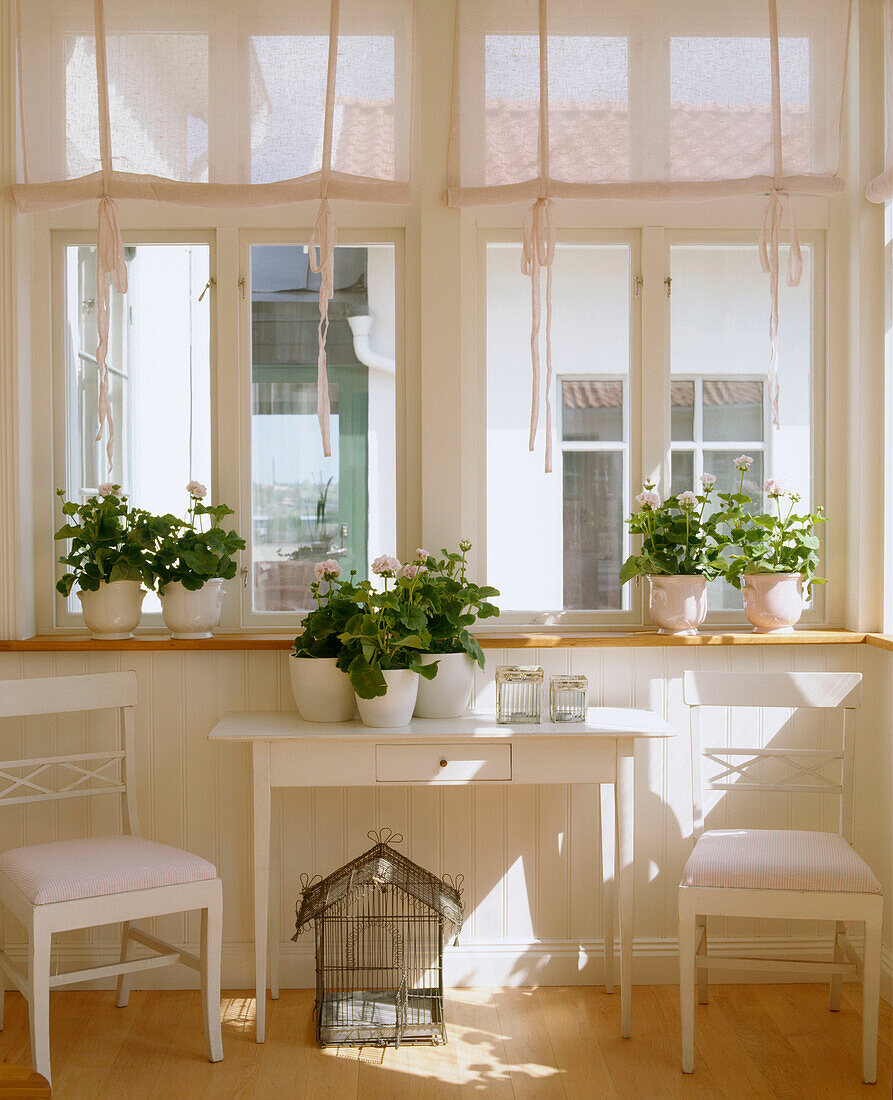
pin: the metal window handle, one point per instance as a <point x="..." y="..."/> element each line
<point x="443" y="763"/>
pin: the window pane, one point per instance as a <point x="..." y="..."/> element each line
<point x="591" y="410"/>
<point x="306" y="507"/>
<point x="554" y="539"/>
<point x="719" y="322"/>
<point x="593" y="522"/>
<point x="159" y="377"/>
<point x="682" y="471"/>
<point x="722" y="465"/>
<point x="682" y="410"/>
<point x="733" y="410"/>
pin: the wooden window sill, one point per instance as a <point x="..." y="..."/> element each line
<point x="69" y="643"/>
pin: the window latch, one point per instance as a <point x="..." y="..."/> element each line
<point x="668" y="283"/>
<point x="244" y="574"/>
<point x="242" y="286"/>
<point x="637" y="286"/>
<point x="211" y="282"/>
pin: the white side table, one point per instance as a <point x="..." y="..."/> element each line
<point x="288" y="752"/>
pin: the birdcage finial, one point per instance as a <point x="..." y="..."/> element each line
<point x="385" y="836"/>
<point x="455" y="883"/>
<point x="307" y="881"/>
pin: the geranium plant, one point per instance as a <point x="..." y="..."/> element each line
<point x="188" y="552"/>
<point x="453" y="602"/>
<point x="779" y="541"/>
<point x="337" y="601"/>
<point x="389" y="631"/>
<point x="680" y="536"/>
<point x="110" y="541"/>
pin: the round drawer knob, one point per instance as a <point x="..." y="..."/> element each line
<point x="443" y="763"/>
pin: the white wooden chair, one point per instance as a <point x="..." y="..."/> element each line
<point x="79" y="883"/>
<point x="778" y="873"/>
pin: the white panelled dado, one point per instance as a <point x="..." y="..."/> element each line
<point x="526" y="852"/>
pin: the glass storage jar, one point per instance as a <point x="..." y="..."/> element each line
<point x="519" y="693"/>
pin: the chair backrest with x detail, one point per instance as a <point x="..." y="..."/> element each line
<point x="748" y="768"/>
<point x="75" y="775"/>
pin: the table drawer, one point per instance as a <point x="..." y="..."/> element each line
<point x="443" y="763"/>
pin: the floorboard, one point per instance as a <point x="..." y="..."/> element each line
<point x="752" y="1041"/>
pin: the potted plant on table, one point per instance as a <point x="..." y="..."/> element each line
<point x="383" y="643"/>
<point x="453" y="603"/>
<point x="191" y="563"/>
<point x="777" y="558"/>
<point x="109" y="560"/>
<point x="322" y="690"/>
<point x="681" y="550"/>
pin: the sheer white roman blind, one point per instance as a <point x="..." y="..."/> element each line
<point x="214" y="103"/>
<point x="632" y="99"/>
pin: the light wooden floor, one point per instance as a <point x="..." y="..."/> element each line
<point x="562" y="1043"/>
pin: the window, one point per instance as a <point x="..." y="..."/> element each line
<point x="719" y="400"/>
<point x="306" y="507"/>
<point x="159" y="378"/>
<point x="555" y="542"/>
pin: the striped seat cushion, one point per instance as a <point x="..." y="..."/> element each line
<point x="68" y="870"/>
<point x="778" y="859"/>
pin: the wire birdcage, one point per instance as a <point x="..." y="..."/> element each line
<point x="380" y="924"/>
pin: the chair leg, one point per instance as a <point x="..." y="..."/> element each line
<point x="837" y="979"/>
<point x="39" y="985"/>
<point x="211" y="946"/>
<point x="687" y="982"/>
<point x="124" y="979"/>
<point x="871" y="994"/>
<point x="701" y="971"/>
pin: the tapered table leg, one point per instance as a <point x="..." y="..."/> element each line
<point x="261" y="771"/>
<point x="625" y="817"/>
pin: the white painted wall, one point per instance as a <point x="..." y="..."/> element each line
<point x="528" y="853"/>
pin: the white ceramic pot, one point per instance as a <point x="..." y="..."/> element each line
<point x="449" y="693"/>
<point x="396" y="707"/>
<point x="773" y="602"/>
<point x="678" y="604"/>
<point x="192" y="614"/>
<point x="113" y="611"/>
<point x="321" y="690"/>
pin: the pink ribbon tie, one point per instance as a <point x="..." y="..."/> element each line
<point x="111" y="270"/>
<point x="324" y="233"/>
<point x="537" y="252"/>
<point x="776" y="204"/>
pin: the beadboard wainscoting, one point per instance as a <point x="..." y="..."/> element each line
<point x="528" y="854"/>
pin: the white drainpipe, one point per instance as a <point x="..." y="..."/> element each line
<point x="361" y="327"/>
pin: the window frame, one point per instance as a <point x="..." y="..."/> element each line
<point x="569" y="621"/>
<point x="816" y="613"/>
<point x="287" y="620"/>
<point x="52" y="610"/>
<point x="649" y="396"/>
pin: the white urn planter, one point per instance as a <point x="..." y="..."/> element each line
<point x="678" y="604"/>
<point x="113" y="611"/>
<point x="773" y="602"/>
<point x="396" y="707"/>
<point x="192" y="614"/>
<point x="449" y="693"/>
<point x="322" y="692"/>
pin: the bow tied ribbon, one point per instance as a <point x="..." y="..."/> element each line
<point x="538" y="252"/>
<point x="111" y="270"/>
<point x="778" y="203"/>
<point x="322" y="263"/>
